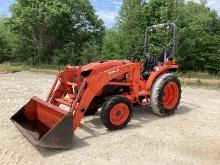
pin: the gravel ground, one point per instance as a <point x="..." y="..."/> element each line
<point x="191" y="136"/>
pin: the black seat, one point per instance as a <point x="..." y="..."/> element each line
<point x="149" y="64"/>
<point x="165" y="55"/>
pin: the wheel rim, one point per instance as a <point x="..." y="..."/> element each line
<point x="119" y="114"/>
<point x="170" y="95"/>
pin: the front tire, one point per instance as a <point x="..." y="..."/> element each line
<point x="116" y="112"/>
<point x="165" y="94"/>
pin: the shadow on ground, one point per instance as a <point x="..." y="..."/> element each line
<point x="141" y="116"/>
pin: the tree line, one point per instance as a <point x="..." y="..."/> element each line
<point x="68" y="31"/>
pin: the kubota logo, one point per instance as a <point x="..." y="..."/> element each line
<point x="113" y="71"/>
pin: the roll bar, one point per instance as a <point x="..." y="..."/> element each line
<point x="161" y="26"/>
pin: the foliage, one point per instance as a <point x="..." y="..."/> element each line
<point x="131" y="24"/>
<point x="199" y="40"/>
<point x="7" y="42"/>
<point x="68" y="32"/>
<point x="91" y="52"/>
<point x="198" y="31"/>
<point x="45" y="27"/>
<point x="112" y="45"/>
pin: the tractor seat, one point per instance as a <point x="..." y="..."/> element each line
<point x="165" y="55"/>
<point x="149" y="64"/>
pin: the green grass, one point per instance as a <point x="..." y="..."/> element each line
<point x="201" y="77"/>
<point x="18" y="67"/>
<point x="50" y="69"/>
<point x="13" y="67"/>
<point x="197" y="75"/>
<point x="199" y="83"/>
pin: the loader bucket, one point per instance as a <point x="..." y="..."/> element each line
<point x="44" y="124"/>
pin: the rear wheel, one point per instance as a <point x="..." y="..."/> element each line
<point x="165" y="94"/>
<point x="116" y="112"/>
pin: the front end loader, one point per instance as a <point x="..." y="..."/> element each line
<point x="115" y="86"/>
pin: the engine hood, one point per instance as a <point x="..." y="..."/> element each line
<point x="103" y="65"/>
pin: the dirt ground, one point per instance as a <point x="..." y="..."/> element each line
<point x="191" y="136"/>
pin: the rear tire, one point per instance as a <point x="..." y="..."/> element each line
<point x="165" y="94"/>
<point x="116" y="112"/>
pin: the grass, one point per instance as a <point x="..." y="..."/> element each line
<point x="199" y="79"/>
<point x="200" y="83"/>
<point x="203" y="75"/>
<point x="8" y="67"/>
<point x="18" y="67"/>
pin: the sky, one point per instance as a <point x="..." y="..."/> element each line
<point x="105" y="9"/>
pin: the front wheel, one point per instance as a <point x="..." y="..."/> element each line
<point x="165" y="94"/>
<point x="116" y="112"/>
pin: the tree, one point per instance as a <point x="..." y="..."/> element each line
<point x="131" y="24"/>
<point x="198" y="31"/>
<point x="7" y="42"/>
<point x="113" y="45"/>
<point x="136" y="15"/>
<point x="48" y="26"/>
<point x="198" y="40"/>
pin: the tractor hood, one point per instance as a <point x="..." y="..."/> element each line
<point x="103" y="65"/>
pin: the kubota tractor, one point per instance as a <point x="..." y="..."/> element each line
<point x="113" y="85"/>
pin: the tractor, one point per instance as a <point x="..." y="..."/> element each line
<point x="112" y="86"/>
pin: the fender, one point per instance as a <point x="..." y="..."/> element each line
<point x="159" y="70"/>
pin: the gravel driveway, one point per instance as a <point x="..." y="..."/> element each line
<point x="191" y="136"/>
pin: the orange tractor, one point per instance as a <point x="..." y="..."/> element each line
<point x="114" y="86"/>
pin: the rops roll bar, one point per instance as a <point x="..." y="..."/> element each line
<point x="161" y="26"/>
